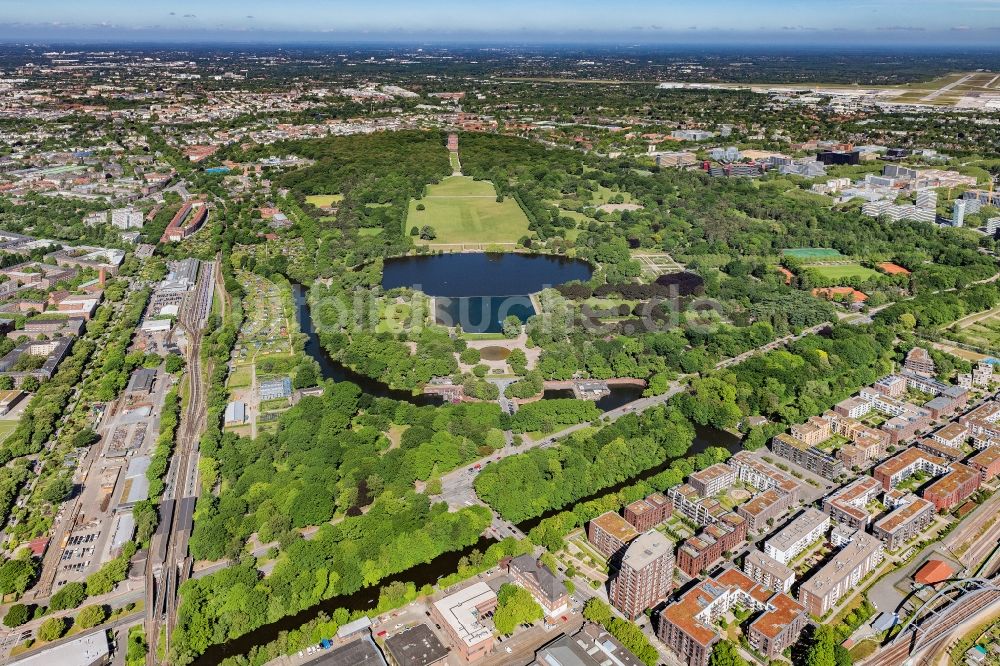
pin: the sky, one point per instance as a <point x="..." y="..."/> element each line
<point x="863" y="22"/>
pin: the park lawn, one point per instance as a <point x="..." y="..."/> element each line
<point x="462" y="210"/>
<point x="369" y="231"/>
<point x="395" y="319"/>
<point x="453" y="158"/>
<point x="842" y="271"/>
<point x="603" y="194"/>
<point x="324" y="200"/>
<point x="396" y="434"/>
<point x="7" y="426"/>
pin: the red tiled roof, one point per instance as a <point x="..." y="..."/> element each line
<point x="933" y="572"/>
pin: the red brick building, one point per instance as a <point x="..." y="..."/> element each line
<point x="646" y="575"/>
<point x="610" y="533"/>
<point x="645" y="514"/>
<point x="986" y="462"/>
<point x="953" y="487"/>
<point x="704" y="549"/>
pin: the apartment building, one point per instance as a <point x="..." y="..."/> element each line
<point x="953" y="400"/>
<point x="461" y="615"/>
<point x="952" y="435"/>
<point x="897" y="469"/>
<point x="918" y="360"/>
<point x="804" y="530"/>
<point x="713" y="480"/>
<point x="646" y="574"/>
<point x="763" y="476"/>
<point x="51" y="326"/>
<point x="853" y="407"/>
<point x="768" y="571"/>
<point x="861" y="554"/>
<point x="987" y="463"/>
<point x="954" y="487"/>
<point x="702" y="510"/>
<point x="847" y="505"/>
<point x="868" y="445"/>
<point x="806" y="456"/>
<point x="777" y="628"/>
<point x="687" y="626"/>
<point x="983" y="423"/>
<point x="892" y="386"/>
<point x="813" y="432"/>
<point x="547" y="588"/>
<point x="936" y="448"/>
<point x="701" y="551"/>
<point x="765" y="509"/>
<point x="127" y="218"/>
<point x="909" y="517"/>
<point x="610" y="533"/>
<point x="645" y="514"/>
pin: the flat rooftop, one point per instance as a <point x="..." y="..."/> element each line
<point x="417" y="646"/>
<point x="616" y="526"/>
<point x="861" y="547"/>
<point x="82" y="651"/>
<point x="461" y="612"/>
<point x="792" y="533"/>
<point x="646" y="549"/>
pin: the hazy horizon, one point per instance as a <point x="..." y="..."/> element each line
<point x="900" y="23"/>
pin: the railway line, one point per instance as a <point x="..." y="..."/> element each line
<point x="918" y="647"/>
<point x="169" y="564"/>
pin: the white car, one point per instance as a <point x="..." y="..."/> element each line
<point x="508" y="649"/>
<point x="398" y="626"/>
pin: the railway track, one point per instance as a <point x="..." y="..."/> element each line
<point x="182" y="491"/>
<point x="939" y="628"/>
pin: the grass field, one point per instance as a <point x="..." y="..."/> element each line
<point x="7" y="427"/>
<point x="240" y="377"/>
<point x="324" y="200"/>
<point x="842" y="271"/>
<point x="463" y="210"/>
<point x="813" y="253"/>
<point x="455" y="164"/>
<point x="981" y="330"/>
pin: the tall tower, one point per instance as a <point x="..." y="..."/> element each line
<point x="958" y="213"/>
<point x="646" y="575"/>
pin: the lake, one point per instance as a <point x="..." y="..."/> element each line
<point x="479" y="290"/>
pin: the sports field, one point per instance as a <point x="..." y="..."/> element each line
<point x="463" y="210"/>
<point x="7" y="426"/>
<point x="841" y="271"/>
<point x="324" y="200"/>
<point x="813" y="254"/>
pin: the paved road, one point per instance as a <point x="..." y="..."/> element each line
<point x="457" y="486"/>
<point x="725" y="363"/>
<point x="123" y="621"/>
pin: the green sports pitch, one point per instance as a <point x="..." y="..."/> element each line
<point x="814" y="254"/>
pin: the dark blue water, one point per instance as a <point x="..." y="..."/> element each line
<point x="480" y="274"/>
<point x="481" y="314"/>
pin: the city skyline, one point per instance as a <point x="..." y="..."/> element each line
<point x="969" y="23"/>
